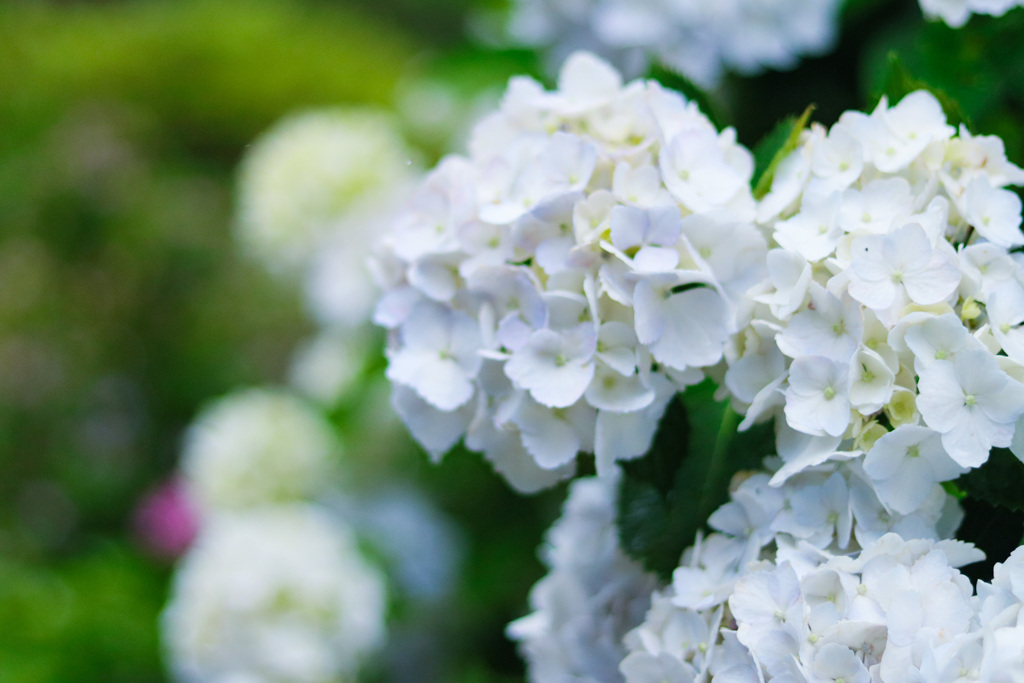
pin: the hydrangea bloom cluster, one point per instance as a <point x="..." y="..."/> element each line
<point x="828" y="510"/>
<point x="591" y="597"/>
<point x="898" y="610"/>
<point x="257" y="447"/>
<point x="699" y="39"/>
<point x="275" y="594"/>
<point x="300" y="180"/>
<point x="551" y="293"/>
<point x="888" y="324"/>
<point x="957" y="12"/>
<point x="883" y="340"/>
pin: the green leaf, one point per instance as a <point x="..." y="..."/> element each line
<point x="899" y="83"/>
<point x="666" y="497"/>
<point x="856" y="10"/>
<point x="1000" y="481"/>
<point x="776" y="146"/>
<point x="952" y="489"/>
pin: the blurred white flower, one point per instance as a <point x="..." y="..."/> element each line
<point x="701" y="40"/>
<point x="275" y="594"/>
<point x="957" y="12"/>
<point x="256" y="447"/>
<point x="592" y="595"/>
<point x="300" y="181"/>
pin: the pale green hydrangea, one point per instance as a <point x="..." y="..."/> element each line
<point x="306" y="174"/>
<point x="273" y="595"/>
<point x="257" y="447"/>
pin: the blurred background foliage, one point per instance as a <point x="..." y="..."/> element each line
<point x="124" y="305"/>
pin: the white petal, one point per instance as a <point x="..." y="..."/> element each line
<point x="512" y="461"/>
<point x="623" y="436"/>
<point x="933" y="283"/>
<point x="650" y="318"/>
<point x="800" y="451"/>
<point x="436" y="430"/>
<point x="585" y="78"/>
<point x="439" y="380"/>
<point x="655" y="260"/>
<point x="617" y="393"/>
<point x="551" y="440"/>
<point x="940" y="396"/>
<point x="556" y="368"/>
<point x="697" y="324"/>
<point x="995" y="213"/>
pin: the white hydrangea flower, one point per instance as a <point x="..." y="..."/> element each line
<point x="551" y="292"/>
<point x="300" y="181"/>
<point x="869" y="617"/>
<point x="700" y="40"/>
<point x="672" y="645"/>
<point x="592" y="595"/>
<point x="438" y="357"/>
<point x="957" y="12"/>
<point x="275" y="594"/>
<point x="901" y="267"/>
<point x="813" y="581"/>
<point x="817" y="399"/>
<point x="255" y="447"/>
<point x="890" y="300"/>
<point x="905" y="465"/>
<point x="972" y="402"/>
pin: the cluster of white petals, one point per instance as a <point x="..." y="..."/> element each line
<point x="888" y="326"/>
<point x="257" y="447"/>
<point x="592" y="596"/>
<point x="897" y="610"/>
<point x="300" y="180"/>
<point x="275" y="594"/>
<point x="957" y="12"/>
<point x="699" y="39"/>
<point x="825" y="511"/>
<point x="274" y="586"/>
<point x="549" y="294"/>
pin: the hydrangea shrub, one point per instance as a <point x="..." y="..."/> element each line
<point x="600" y="250"/>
